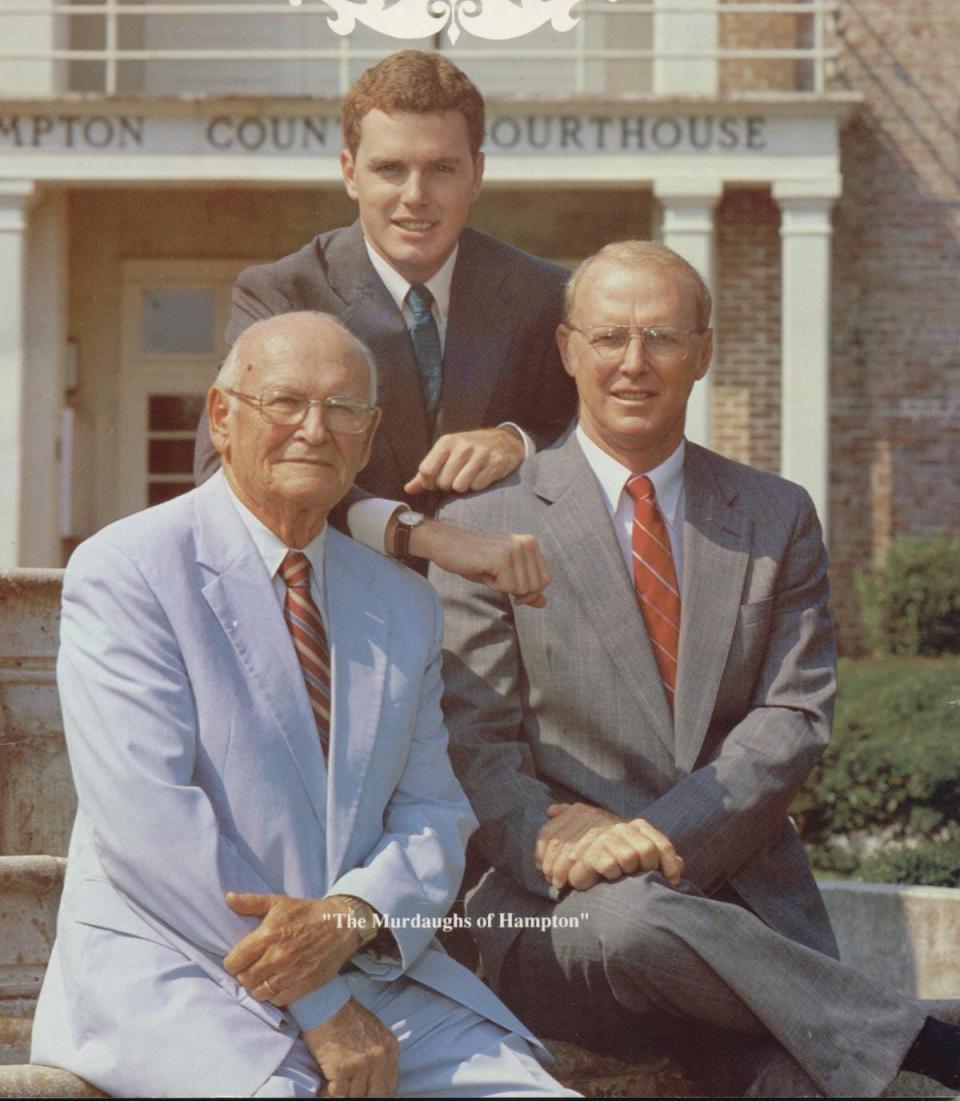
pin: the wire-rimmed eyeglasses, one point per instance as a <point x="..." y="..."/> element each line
<point x="278" y="406"/>
<point x="661" y="342"/>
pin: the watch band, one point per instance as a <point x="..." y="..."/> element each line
<point x="362" y="917"/>
<point x="406" y="522"/>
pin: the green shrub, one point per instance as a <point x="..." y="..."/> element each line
<point x="911" y="604"/>
<point x="932" y="864"/>
<point x="892" y="768"/>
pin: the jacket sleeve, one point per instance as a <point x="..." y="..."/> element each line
<point x="732" y="805"/>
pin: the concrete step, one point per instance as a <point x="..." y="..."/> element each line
<point x="24" y="1081"/>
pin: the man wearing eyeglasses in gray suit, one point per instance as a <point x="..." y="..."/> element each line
<point x="632" y="749"/>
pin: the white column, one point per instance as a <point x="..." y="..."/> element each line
<point x="32" y="35"/>
<point x="675" y="30"/>
<point x="805" y="232"/>
<point x="45" y="379"/>
<point x="688" y="228"/>
<point x="15" y="196"/>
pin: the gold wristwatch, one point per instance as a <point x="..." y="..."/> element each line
<point x="362" y="917"/>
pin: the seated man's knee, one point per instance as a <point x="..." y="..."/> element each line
<point x="632" y="918"/>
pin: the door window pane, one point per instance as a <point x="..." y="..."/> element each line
<point x="175" y="412"/>
<point x="177" y="322"/>
<point x="171" y="426"/>
<point x="171" y="456"/>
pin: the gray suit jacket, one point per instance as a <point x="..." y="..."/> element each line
<point x="500" y="357"/>
<point x="565" y="703"/>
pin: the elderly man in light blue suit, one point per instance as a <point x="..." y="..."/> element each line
<point x="254" y="876"/>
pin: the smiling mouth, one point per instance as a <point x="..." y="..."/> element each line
<point x="634" y="395"/>
<point x="412" y="225"/>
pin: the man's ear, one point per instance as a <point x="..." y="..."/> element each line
<point x="218" y="409"/>
<point x="478" y="165"/>
<point x="348" y="168"/>
<point x="563" y="341"/>
<point x="706" y="354"/>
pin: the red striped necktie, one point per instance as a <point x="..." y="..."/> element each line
<point x="309" y="639"/>
<point x="655" y="580"/>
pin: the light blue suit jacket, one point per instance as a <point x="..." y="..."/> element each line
<point x="198" y="770"/>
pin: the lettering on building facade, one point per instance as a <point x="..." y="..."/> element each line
<point x="299" y="135"/>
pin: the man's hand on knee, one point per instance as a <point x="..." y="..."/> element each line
<point x="581" y="844"/>
<point x="298" y="947"/>
<point x="356" y="1053"/>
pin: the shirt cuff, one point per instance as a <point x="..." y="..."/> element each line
<point x="529" y="447"/>
<point x="367" y="521"/>
<point x="320" y="1005"/>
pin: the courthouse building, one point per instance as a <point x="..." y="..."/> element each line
<point x="804" y="155"/>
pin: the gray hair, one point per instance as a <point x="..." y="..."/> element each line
<point x="640" y="254"/>
<point x="228" y="377"/>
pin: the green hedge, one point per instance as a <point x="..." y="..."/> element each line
<point x="911" y="604"/>
<point x="891" y="772"/>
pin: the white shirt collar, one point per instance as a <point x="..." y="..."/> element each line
<point x="273" y="550"/>
<point x="438" y="284"/>
<point x="612" y="475"/>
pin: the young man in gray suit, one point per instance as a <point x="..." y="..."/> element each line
<point x="631" y="751"/>
<point x="461" y="325"/>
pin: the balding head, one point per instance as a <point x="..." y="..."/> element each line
<point x="273" y="334"/>
<point x="639" y="255"/>
<point x="292" y="416"/>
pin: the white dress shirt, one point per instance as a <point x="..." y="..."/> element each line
<point x="273" y="550"/>
<point x="667" y="481"/>
<point x="438" y="285"/>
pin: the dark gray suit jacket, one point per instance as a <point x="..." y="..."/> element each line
<point x="565" y="703"/>
<point x="500" y="357"/>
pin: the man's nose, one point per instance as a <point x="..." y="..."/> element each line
<point x="634" y="355"/>
<point x="312" y="427"/>
<point x="414" y="189"/>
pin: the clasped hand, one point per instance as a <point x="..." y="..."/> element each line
<point x="299" y="945"/>
<point x="581" y="844"/>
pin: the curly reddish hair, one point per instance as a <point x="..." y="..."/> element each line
<point x="417" y="81"/>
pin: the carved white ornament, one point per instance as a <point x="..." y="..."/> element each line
<point x="491" y="19"/>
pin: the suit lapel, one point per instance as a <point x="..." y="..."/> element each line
<point x="241" y="596"/>
<point x="372" y="315"/>
<point x="480" y="327"/>
<point x="716" y="548"/>
<point x="358" y="632"/>
<point x="579" y="537"/>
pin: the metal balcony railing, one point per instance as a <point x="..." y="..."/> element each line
<point x="124" y="47"/>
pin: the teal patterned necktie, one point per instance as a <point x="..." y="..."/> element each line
<point x="425" y="338"/>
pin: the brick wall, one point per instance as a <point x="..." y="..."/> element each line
<point x="769" y="31"/>
<point x="895" y="355"/>
<point x="895" y="392"/>
<point x="746" y="413"/>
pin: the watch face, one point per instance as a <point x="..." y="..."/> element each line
<point x="410" y="519"/>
